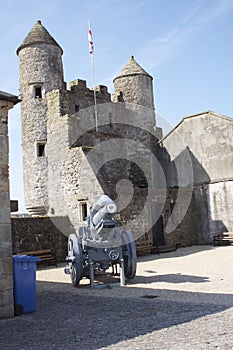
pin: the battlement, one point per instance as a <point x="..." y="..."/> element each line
<point x="49" y="103"/>
<point x="101" y="88"/>
<point x="117" y="97"/>
<point x="81" y="97"/>
<point x="79" y="84"/>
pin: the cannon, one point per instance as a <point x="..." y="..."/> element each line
<point x="101" y="244"/>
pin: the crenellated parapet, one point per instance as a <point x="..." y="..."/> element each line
<point x="82" y="97"/>
<point x="53" y="117"/>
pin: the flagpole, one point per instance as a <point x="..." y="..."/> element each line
<point x="91" y="50"/>
<point x="93" y="82"/>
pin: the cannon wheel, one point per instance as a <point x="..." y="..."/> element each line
<point x="129" y="254"/>
<point x="75" y="249"/>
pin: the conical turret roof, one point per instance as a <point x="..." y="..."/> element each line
<point x="38" y="35"/>
<point x="132" y="68"/>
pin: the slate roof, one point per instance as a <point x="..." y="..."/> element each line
<point x="131" y="68"/>
<point x="5" y="96"/>
<point x="38" y="35"/>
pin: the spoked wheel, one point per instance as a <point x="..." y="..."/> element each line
<point x="129" y="254"/>
<point x="76" y="267"/>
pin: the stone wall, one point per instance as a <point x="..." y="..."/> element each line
<point x="178" y="232"/>
<point x="81" y="97"/>
<point x="36" y="233"/>
<point x="40" y="68"/>
<point x="84" y="164"/>
<point x="203" y="143"/>
<point x="135" y="89"/>
<point x="198" y="155"/>
<point x="213" y="206"/>
<point x="6" y="274"/>
<point x="134" y="85"/>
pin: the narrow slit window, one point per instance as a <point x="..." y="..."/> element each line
<point x="110" y="120"/>
<point x="83" y="211"/>
<point x="76" y="108"/>
<point x="41" y="150"/>
<point x="37" y="91"/>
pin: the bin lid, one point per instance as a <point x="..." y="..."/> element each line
<point x="20" y="258"/>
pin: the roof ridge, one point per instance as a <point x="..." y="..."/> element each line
<point x="6" y="96"/>
<point x="193" y="116"/>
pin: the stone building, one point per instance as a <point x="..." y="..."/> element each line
<point x="7" y="101"/>
<point x="168" y="191"/>
<point x="62" y="176"/>
<point x="197" y="156"/>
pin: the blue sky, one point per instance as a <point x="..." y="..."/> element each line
<point x="186" y="45"/>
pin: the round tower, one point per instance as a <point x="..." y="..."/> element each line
<point x="134" y="85"/>
<point x="41" y="70"/>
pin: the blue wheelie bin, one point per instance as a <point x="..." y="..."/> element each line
<point x="24" y="280"/>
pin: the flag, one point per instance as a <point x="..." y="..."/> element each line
<point x="91" y="44"/>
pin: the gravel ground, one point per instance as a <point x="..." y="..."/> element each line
<point x="179" y="300"/>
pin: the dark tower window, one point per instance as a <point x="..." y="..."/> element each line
<point x="76" y="108"/>
<point x="110" y="120"/>
<point x="41" y="150"/>
<point x="83" y="211"/>
<point x="37" y="91"/>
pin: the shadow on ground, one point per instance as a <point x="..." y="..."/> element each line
<point x="177" y="253"/>
<point x="84" y="319"/>
<point x="170" y="278"/>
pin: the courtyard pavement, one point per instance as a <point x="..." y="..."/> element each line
<point x="179" y="300"/>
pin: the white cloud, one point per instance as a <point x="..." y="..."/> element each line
<point x="161" y="49"/>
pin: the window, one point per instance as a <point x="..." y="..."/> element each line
<point x="37" y="92"/>
<point x="172" y="205"/>
<point x="41" y="150"/>
<point x="83" y="211"/>
<point x="76" y="108"/>
<point x="110" y="120"/>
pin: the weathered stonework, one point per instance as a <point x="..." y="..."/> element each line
<point x="178" y="189"/>
<point x="67" y="175"/>
<point x="36" y="233"/>
<point x="41" y="70"/>
<point x="7" y="102"/>
<point x="199" y="153"/>
<point x="77" y="154"/>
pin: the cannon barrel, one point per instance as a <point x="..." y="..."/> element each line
<point x="109" y="208"/>
<point x="101" y="202"/>
<point x="103" y="206"/>
<point x="101" y="244"/>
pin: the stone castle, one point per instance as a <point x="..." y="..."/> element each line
<point x="175" y="190"/>
<point x="58" y="131"/>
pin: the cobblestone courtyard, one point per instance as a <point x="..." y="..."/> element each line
<point x="179" y="300"/>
